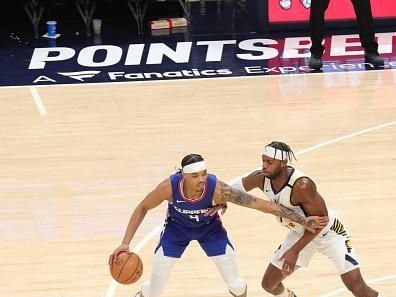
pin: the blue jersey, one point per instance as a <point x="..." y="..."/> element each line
<point x="187" y="212"/>
<point x="186" y="222"/>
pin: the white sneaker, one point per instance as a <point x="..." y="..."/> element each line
<point x="306" y="3"/>
<point x="285" y="4"/>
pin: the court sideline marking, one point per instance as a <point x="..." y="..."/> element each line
<point x="113" y="285"/>
<point x="373" y="281"/>
<point x="38" y="101"/>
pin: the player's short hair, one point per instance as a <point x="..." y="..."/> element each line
<point x="190" y="159"/>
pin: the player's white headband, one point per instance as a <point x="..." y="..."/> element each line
<point x="194" y="167"/>
<point x="274" y="153"/>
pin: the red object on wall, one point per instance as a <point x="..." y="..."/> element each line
<point x="338" y="10"/>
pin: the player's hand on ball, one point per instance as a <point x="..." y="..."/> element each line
<point x="121" y="248"/>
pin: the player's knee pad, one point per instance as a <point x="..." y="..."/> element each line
<point x="229" y="271"/>
<point x="237" y="183"/>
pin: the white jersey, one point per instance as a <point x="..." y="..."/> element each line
<point x="333" y="240"/>
<point x="283" y="197"/>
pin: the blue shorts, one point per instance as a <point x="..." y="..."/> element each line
<point x="175" y="238"/>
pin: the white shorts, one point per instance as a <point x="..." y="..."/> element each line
<point x="333" y="241"/>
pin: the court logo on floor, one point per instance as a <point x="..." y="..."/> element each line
<point x="254" y="55"/>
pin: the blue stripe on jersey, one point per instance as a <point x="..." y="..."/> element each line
<point x="187" y="212"/>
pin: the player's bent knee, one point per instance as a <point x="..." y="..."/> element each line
<point x="268" y="285"/>
<point x="237" y="287"/>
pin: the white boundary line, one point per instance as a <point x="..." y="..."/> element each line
<point x="113" y="285"/>
<point x="39" y="102"/>
<point x="373" y="281"/>
<point x="338" y="139"/>
<point x="196" y="79"/>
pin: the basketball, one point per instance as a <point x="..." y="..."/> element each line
<point x="127" y="269"/>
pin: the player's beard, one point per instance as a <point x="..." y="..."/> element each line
<point x="273" y="174"/>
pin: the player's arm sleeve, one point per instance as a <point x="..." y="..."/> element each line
<point x="247" y="182"/>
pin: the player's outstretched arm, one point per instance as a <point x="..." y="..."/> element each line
<point x="225" y="193"/>
<point x="161" y="193"/>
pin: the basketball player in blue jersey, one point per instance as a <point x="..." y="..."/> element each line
<point x="292" y="189"/>
<point x="190" y="193"/>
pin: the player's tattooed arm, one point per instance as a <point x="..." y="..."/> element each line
<point x="284" y="212"/>
<point x="230" y="194"/>
<point x="225" y="193"/>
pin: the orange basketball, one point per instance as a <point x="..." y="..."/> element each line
<point x="127" y="269"/>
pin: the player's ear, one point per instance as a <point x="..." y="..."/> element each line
<point x="283" y="163"/>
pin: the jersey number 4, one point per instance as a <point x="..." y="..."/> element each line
<point x="196" y="217"/>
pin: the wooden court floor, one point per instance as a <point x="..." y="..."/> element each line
<point x="70" y="179"/>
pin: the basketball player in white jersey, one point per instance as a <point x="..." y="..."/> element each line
<point x="291" y="188"/>
<point x="190" y="193"/>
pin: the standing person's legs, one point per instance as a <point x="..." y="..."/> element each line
<point x="317" y="26"/>
<point x="365" y="23"/>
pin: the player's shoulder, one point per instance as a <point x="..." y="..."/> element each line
<point x="255" y="176"/>
<point x="257" y="172"/>
<point x="254" y="179"/>
<point x="304" y="184"/>
<point x="165" y="185"/>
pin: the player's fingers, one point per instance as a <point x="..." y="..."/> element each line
<point x="208" y="213"/>
<point x="291" y="268"/>
<point x="211" y="211"/>
<point x="115" y="255"/>
<point x="285" y="269"/>
<point x="323" y="220"/>
<point x="326" y="221"/>
<point x="214" y="211"/>
<point x="111" y="259"/>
